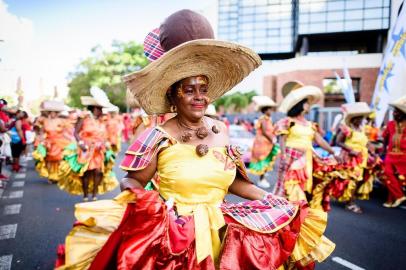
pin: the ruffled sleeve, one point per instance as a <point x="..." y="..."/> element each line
<point x="282" y="126"/>
<point x="144" y="149"/>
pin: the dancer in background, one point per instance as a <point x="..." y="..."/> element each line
<point x="354" y="143"/>
<point x="264" y="149"/>
<point x="395" y="161"/>
<point x="88" y="167"/>
<point x="51" y="142"/>
<point x="298" y="161"/>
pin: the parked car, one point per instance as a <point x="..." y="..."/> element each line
<point x="241" y="137"/>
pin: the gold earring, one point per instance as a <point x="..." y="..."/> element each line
<point x="173" y="109"/>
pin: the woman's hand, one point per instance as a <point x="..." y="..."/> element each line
<point x="338" y="158"/>
<point x="129" y="183"/>
<point x="354" y="153"/>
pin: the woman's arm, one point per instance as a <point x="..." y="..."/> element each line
<point x="246" y="190"/>
<point x="323" y="144"/>
<point x="341" y="143"/>
<point x="20" y="131"/>
<point x="139" y="179"/>
<point x="282" y="145"/>
<point x="264" y="132"/>
<point x="78" y="127"/>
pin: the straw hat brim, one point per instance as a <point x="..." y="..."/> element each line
<point x="259" y="107"/>
<point x="349" y="116"/>
<point x="225" y="64"/>
<point x="53" y="106"/>
<point x="356" y="109"/>
<point x="400" y="104"/>
<point x="312" y="93"/>
<point x="91" y="101"/>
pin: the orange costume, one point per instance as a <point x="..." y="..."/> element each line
<point x="54" y="140"/>
<point x="263" y="151"/>
<point x="98" y="156"/>
<point x="114" y="126"/>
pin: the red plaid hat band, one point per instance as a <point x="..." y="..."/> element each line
<point x="152" y="45"/>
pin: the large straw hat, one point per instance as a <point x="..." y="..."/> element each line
<point x="294" y="92"/>
<point x="110" y="109"/>
<point x="225" y="64"/>
<point x="356" y="109"/>
<point x="400" y="104"/>
<point x="98" y="98"/>
<point x="52" y="106"/>
<point x="262" y="102"/>
<point x="184" y="46"/>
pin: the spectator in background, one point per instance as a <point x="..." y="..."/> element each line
<point x="18" y="141"/>
<point x="4" y="140"/>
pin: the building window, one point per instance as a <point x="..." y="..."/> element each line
<point x="317" y="16"/>
<point x="333" y="92"/>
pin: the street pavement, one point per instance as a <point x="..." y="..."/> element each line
<point x="36" y="216"/>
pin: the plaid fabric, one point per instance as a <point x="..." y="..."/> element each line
<point x="144" y="149"/>
<point x="152" y="45"/>
<point x="266" y="216"/>
<point x="291" y="155"/>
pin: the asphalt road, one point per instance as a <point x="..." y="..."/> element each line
<point x="36" y="216"/>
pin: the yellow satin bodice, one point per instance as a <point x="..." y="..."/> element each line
<point x="198" y="186"/>
<point x="300" y="136"/>
<point x="358" y="141"/>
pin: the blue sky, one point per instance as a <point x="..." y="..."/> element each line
<point x="44" y="40"/>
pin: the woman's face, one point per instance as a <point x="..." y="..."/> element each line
<point x="191" y="97"/>
<point x="97" y="111"/>
<point x="306" y="107"/>
<point x="398" y="115"/>
<point x="53" y="114"/>
<point x="357" y="121"/>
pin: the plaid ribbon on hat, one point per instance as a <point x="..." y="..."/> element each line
<point x="152" y="45"/>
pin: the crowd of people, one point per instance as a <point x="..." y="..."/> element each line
<point x="171" y="213"/>
<point x="15" y="134"/>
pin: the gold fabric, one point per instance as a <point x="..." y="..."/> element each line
<point x="101" y="219"/>
<point x="300" y="136"/>
<point x="198" y="188"/>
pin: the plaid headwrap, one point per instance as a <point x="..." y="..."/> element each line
<point x="152" y="45"/>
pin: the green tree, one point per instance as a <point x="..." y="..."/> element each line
<point x="105" y="70"/>
<point x="236" y="101"/>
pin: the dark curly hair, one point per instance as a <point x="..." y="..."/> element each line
<point x="297" y="109"/>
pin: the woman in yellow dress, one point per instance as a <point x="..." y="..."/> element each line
<point x="353" y="140"/>
<point x="264" y="149"/>
<point x="52" y="142"/>
<point x="185" y="223"/>
<point x="88" y="165"/>
<point x="297" y="135"/>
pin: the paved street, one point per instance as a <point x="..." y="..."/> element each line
<point x="36" y="216"/>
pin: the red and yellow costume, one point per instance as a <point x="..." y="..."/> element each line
<point x="138" y="230"/>
<point x="49" y="152"/>
<point x="395" y="160"/>
<point x="264" y="152"/>
<point x="98" y="156"/>
<point x="352" y="182"/>
<point x="300" y="164"/>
